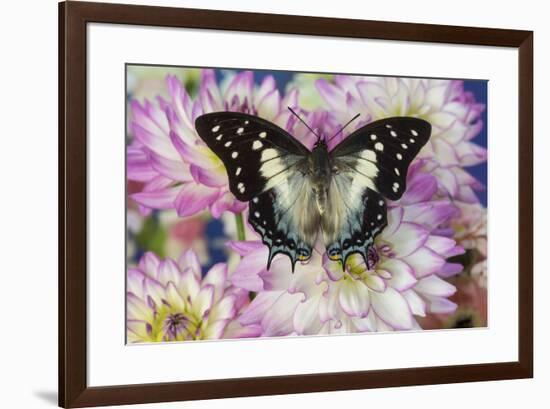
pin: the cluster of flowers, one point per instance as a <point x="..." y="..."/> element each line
<point x="406" y="276"/>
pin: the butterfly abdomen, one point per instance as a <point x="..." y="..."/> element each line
<point x="320" y="173"/>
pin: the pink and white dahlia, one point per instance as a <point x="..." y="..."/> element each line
<point x="178" y="169"/>
<point x="453" y="113"/>
<point x="170" y="301"/>
<point x="403" y="277"/>
<point x="470" y="231"/>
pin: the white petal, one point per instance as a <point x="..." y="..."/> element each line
<point x="435" y="286"/>
<point x="306" y="318"/>
<point x="416" y="304"/>
<point x="169" y="272"/>
<point x="354" y="298"/>
<point x="440" y="305"/>
<point x="189" y="284"/>
<point x="203" y="301"/>
<point x="392" y="308"/>
<point x="216" y="277"/>
<point x="402" y="274"/>
<point x="407" y="238"/>
<point x="278" y="320"/>
<point x="425" y="262"/>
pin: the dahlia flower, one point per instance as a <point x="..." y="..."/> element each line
<point x="178" y="169"/>
<point x="170" y="301"/>
<point x="452" y="112"/>
<point x="470" y="231"/>
<point x="403" y="277"/>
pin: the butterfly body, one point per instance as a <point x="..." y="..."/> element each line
<point x="294" y="193"/>
<point x="320" y="173"/>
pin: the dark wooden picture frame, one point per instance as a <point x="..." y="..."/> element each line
<point x="73" y="388"/>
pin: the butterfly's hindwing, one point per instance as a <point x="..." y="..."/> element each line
<point x="286" y="219"/>
<point x="380" y="153"/>
<point x="256" y="153"/>
<point x="354" y="217"/>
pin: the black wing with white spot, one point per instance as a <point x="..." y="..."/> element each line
<point x="382" y="152"/>
<point x="355" y="215"/>
<point x="369" y="165"/>
<point x="257" y="154"/>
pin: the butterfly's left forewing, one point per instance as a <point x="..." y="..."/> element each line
<point x="256" y="153"/>
<point x="369" y="166"/>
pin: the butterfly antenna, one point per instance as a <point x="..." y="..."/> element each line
<point x="302" y="121"/>
<point x="344" y="127"/>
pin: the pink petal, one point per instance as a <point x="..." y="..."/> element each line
<point x="278" y="320"/>
<point x="159" y="144"/>
<point x="439" y="305"/>
<point x="160" y="199"/>
<point x="194" y="198"/>
<point x="450" y="270"/>
<point x="278" y="277"/>
<point x="180" y="99"/>
<point x="407" y="238"/>
<point x="419" y="189"/>
<point x="244" y="247"/>
<point x="333" y="96"/>
<point x="138" y="165"/>
<point x="443" y="246"/>
<point x="246" y="275"/>
<point x="173" y="169"/>
<point x="209" y="177"/>
<point x="259" y="306"/>
<point x="425" y="262"/>
<point x="267" y="86"/>
<point x="430" y="215"/>
<point x="226" y="202"/>
<point x="235" y="330"/>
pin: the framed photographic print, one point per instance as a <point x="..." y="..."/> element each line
<point x="287" y="218"/>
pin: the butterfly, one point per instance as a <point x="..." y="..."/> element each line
<point x="292" y="191"/>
